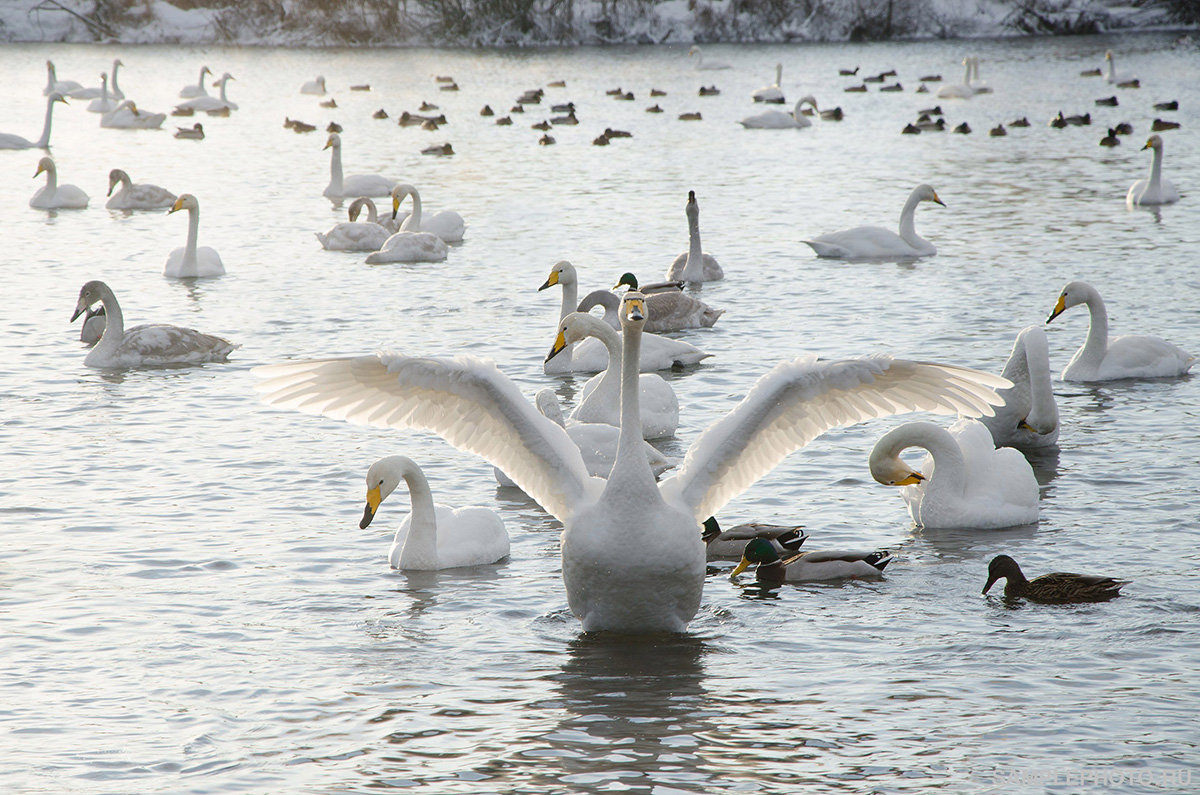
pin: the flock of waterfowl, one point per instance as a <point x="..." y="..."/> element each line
<point x="634" y="549"/>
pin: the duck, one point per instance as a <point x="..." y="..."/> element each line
<point x="1057" y="588"/>
<point x="657" y="92"/>
<point x="778" y="120"/>
<point x="669" y="310"/>
<point x="963" y="129"/>
<point x="859" y="89"/>
<point x="772" y="93"/>
<point x="1107" y="102"/>
<point x="930" y="78"/>
<point x="1172" y="105"/>
<point x="894" y="87"/>
<point x="433" y="537"/>
<point x="815" y="566"/>
<point x="153" y="345"/>
<point x="340" y="187"/>
<point x="633" y="560"/>
<point x="351" y="236"/>
<point x="1158" y="125"/>
<point x="705" y="91"/>
<point x="333" y="127"/>
<point x="1123" y="128"/>
<point x="597" y="442"/>
<point x="127" y="116"/>
<point x="1110" y="139"/>
<point x="1121" y="80"/>
<point x="1028" y="419"/>
<point x="1021" y="122"/>
<point x="487" y="111"/>
<point x="546" y="140"/>
<point x="848" y="72"/>
<point x="1059" y="122"/>
<point x="206" y="103"/>
<point x="998" y="131"/>
<point x="967" y="482"/>
<point x="832" y="114"/>
<point x="691" y="116"/>
<point x="140" y="196"/>
<point x="1127" y="356"/>
<point x="1091" y="73"/>
<point x="364" y="203"/>
<point x="961" y="90"/>
<point x="196" y="89"/>
<point x="316" y="87"/>
<point x="600" y="399"/>
<point x="869" y="242"/>
<point x="105" y="102"/>
<point x="911" y="129"/>
<point x="703" y="65"/>
<point x="190" y="262"/>
<point x="1078" y="120"/>
<point x="53" y="196"/>
<point x="444" y="150"/>
<point x="730" y="543"/>
<point x="694" y="265"/>
<point x="447" y="225"/>
<point x="195" y="132"/>
<point x="11" y="141"/>
<point x="504" y="121"/>
<point x="56" y="86"/>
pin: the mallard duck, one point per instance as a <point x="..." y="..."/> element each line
<point x="730" y="544"/>
<point x="810" y="566"/>
<point x="1059" y="587"/>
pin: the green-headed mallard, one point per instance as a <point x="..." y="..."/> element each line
<point x="1058" y="587"/>
<point x="729" y="544"/>
<point x="833" y="564"/>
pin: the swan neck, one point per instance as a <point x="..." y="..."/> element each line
<point x="51" y="178"/>
<point x="908" y="228"/>
<point x="631" y="477"/>
<point x="414" y="219"/>
<point x="372" y="211"/>
<point x="949" y="466"/>
<point x="44" y="141"/>
<point x="189" y="254"/>
<point x="200" y="83"/>
<point x="693" y="269"/>
<point x="611" y="380"/>
<point x="1097" y="338"/>
<point x="570" y="295"/>
<point x="114" y="321"/>
<point x="115" y="89"/>
<point x="335" y="169"/>
<point x="421" y="543"/>
<point x="1155" y="181"/>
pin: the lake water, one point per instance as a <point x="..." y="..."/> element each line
<point x="190" y="607"/>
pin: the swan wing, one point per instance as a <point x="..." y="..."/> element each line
<point x="861" y="241"/>
<point x="801" y="399"/>
<point x="466" y="401"/>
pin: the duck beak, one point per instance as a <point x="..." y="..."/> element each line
<point x="1059" y="308"/>
<point x="991" y="581"/>
<point x="913" y="479"/>
<point x="551" y="280"/>
<point x="373" y="500"/>
<point x="560" y="344"/>
<point x="745" y="564"/>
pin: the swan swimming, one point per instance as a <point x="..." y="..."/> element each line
<point x="105" y="102"/>
<point x="127" y="116"/>
<point x="196" y="89"/>
<point x="356" y="184"/>
<point x="870" y="242"/>
<point x="1113" y="76"/>
<point x="772" y="93"/>
<point x="694" y="265"/>
<point x="668" y="310"/>
<point x="448" y="225"/>
<point x="207" y="103"/>
<point x="316" y="87"/>
<point x="1127" y="356"/>
<point x="632" y="555"/>
<point x="140" y="196"/>
<point x="191" y="262"/>
<point x="11" y="141"/>
<point x="778" y="120"/>
<point x="1028" y="420"/>
<point x="961" y="90"/>
<point x="967" y="482"/>
<point x="1154" y="189"/>
<point x="152" y="345"/>
<point x="351" y="236"/>
<point x="53" y="196"/>
<point x="433" y="537"/>
<point x="56" y="86"/>
<point x="392" y="225"/>
<point x="703" y="65"/>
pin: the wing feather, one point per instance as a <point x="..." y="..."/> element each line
<point x="801" y="399"/>
<point x="466" y="401"/>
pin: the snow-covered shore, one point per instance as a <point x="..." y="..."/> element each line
<point x="556" y="22"/>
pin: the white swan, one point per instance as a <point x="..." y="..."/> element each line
<point x="127" y="116"/>
<point x="632" y="553"/>
<point x="114" y="90"/>
<point x="150" y="345"/>
<point x="356" y="184"/>
<point x="1112" y="75"/>
<point x="409" y="247"/>
<point x="1128" y="356"/>
<point x="205" y="102"/>
<point x="392" y="225"/>
<point x="142" y="196"/>
<point x="868" y="242"/>
<point x="778" y="120"/>
<point x="961" y="90"/>
<point x="1028" y="420"/>
<point x="658" y="353"/>
<point x="56" y="86"/>
<point x="316" y="87"/>
<point x="433" y="537"/>
<point x="600" y="401"/>
<point x="667" y="310"/>
<point x="967" y="482"/>
<point x="197" y="89"/>
<point x="102" y="90"/>
<point x="191" y="262"/>
<point x="977" y="85"/>
<point x="53" y="196"/>
<point x="694" y="265"/>
<point x="366" y="236"/>
<point x="772" y="93"/>
<point x="448" y="225"/>
<point x="597" y="442"/>
<point x="1154" y="189"/>
<point x="816" y="566"/>
<point x="105" y="102"/>
<point x="703" y="65"/>
<point x="11" y="141"/>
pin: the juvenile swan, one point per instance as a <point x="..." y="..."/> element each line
<point x="694" y="265"/>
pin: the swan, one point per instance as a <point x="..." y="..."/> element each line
<point x="668" y="310"/>
<point x="150" y="345"/>
<point x="867" y="242"/>
<point x="1112" y="76"/>
<point x="601" y="396"/>
<point x="433" y="537"/>
<point x="632" y="553"/>
<point x="105" y="102"/>
<point x="816" y="566"/>
<point x="56" y="86"/>
<point x="367" y="236"/>
<point x="392" y="225"/>
<point x="356" y="184"/>
<point x="10" y="141"/>
<point x="127" y="116"/>
<point x="1128" y="356"/>
<point x="772" y="93"/>
<point x="658" y="353"/>
<point x="1028" y="420"/>
<point x="114" y="90"/>
<point x="978" y="86"/>
<point x="778" y="120"/>
<point x="961" y="90"/>
<point x="410" y="247"/>
<point x="694" y="265"/>
<point x="142" y="196"/>
<point x="1154" y="189"/>
<point x="314" y="86"/>
<point x="102" y="90"/>
<point x="197" y="89"/>
<point x="597" y="442"/>
<point x="205" y="102"/>
<point x="448" y="225"/>
<point x="730" y="544"/>
<point x="706" y="66"/>
<point x="190" y="262"/>
<point x="1058" y="588"/>
<point x="53" y="196"/>
<point x="967" y="481"/>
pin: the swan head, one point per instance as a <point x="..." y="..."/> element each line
<point x="223" y="79"/>
<point x="334" y="140"/>
<point x="1074" y="293"/>
<point x="633" y="311"/>
<point x="926" y="193"/>
<point x="185" y="202"/>
<point x="692" y="209"/>
<point x="693" y="51"/>
<point x="56" y="97"/>
<point x="89" y="295"/>
<point x="547" y="403"/>
<point x="382" y="479"/>
<point x="204" y="70"/>
<point x="563" y="272"/>
<point x="1154" y="142"/>
<point x="115" y="178"/>
<point x="575" y="327"/>
<point x="885" y="463"/>
<point x="1108" y="55"/>
<point x="811" y="100"/>
<point x="356" y="207"/>
<point x="1002" y="567"/>
<point x="758" y="550"/>
<point x="400" y="191"/>
<point x="46" y="164"/>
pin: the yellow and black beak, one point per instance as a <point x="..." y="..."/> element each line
<point x="1059" y="308"/>
<point x="1147" y="146"/>
<point x="1025" y="426"/>
<point x="635" y="308"/>
<point x="937" y="200"/>
<point x="395" y="206"/>
<point x="328" y="143"/>
<point x="560" y="344"/>
<point x="738" y="569"/>
<point x="551" y="280"/>
<point x="176" y="207"/>
<point x="913" y="479"/>
<point x="373" y="500"/>
<point x="41" y="168"/>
